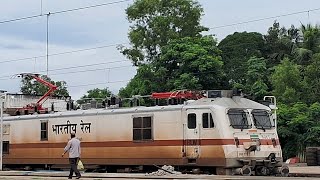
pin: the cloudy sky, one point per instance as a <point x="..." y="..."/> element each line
<point x="82" y="48"/>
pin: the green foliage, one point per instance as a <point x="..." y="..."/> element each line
<point x="286" y="81"/>
<point x="256" y="77"/>
<point x="170" y="53"/>
<point x="143" y="83"/>
<point x="298" y="127"/>
<point x="157" y="22"/>
<point x="98" y="94"/>
<point x="236" y="50"/>
<point x="33" y="87"/>
<point x="187" y="63"/>
<point x="187" y="81"/>
<point x="311" y="37"/>
<point x="280" y="43"/>
<point x="196" y="60"/>
<point x="312" y="80"/>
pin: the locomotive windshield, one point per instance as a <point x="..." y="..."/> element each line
<point x="261" y="119"/>
<point x="238" y="119"/>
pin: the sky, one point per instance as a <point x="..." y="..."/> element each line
<point x="83" y="44"/>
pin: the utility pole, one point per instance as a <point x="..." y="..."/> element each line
<point x="2" y="98"/>
<point x="41" y="7"/>
<point x="48" y="43"/>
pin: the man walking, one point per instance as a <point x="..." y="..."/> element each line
<point x="74" y="149"/>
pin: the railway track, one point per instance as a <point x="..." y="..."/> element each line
<point x="298" y="173"/>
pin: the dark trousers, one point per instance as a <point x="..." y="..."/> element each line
<point x="73" y="163"/>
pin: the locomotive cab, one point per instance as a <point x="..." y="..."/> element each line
<point x="252" y="126"/>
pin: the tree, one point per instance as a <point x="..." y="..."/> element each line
<point x="311" y="37"/>
<point x="186" y="63"/>
<point x="279" y="43"/>
<point x="143" y="83"/>
<point x="294" y="122"/>
<point x="312" y="80"/>
<point x="157" y="22"/>
<point x="33" y="87"/>
<point x="256" y="78"/>
<point x="98" y="94"/>
<point x="313" y="132"/>
<point x="287" y="82"/>
<point x="300" y="124"/>
<point x="197" y="60"/>
<point x="309" y="45"/>
<point x="236" y="50"/>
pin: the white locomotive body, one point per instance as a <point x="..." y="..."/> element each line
<point x="228" y="134"/>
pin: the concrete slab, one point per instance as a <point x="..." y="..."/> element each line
<point x="305" y="171"/>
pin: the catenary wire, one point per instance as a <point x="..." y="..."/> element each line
<point x="90" y="70"/>
<point x="217" y="27"/>
<point x="92" y="84"/>
<point x="61" y="53"/>
<point x="93" y="48"/>
<point x="62" y="11"/>
<point x="222" y="26"/>
<point x="89" y="7"/>
<point x="197" y="73"/>
<point x="263" y="19"/>
<point x="7" y="77"/>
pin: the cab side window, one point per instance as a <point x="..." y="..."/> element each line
<point x="207" y="120"/>
<point x="192" y="121"/>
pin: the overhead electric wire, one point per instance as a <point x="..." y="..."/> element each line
<point x="61" y="53"/>
<point x="73" y="67"/>
<point x="266" y="18"/>
<point x="87" y="49"/>
<point x="162" y="78"/>
<point x="90" y="70"/>
<point x="86" y="65"/>
<point x="63" y="11"/>
<point x="115" y="2"/>
<point x="111" y="82"/>
<point x="89" y="7"/>
<point x="104" y="46"/>
<point x="21" y="18"/>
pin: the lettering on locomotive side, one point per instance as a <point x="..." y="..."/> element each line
<point x="71" y="128"/>
<point x="85" y="127"/>
<point x="193" y="142"/>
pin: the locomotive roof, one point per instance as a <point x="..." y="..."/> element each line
<point x="233" y="102"/>
<point x="223" y="102"/>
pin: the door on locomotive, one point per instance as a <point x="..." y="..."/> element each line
<point x="192" y="134"/>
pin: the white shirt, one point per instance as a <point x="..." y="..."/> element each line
<point x="73" y="147"/>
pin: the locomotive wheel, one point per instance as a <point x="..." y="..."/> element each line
<point x="262" y="171"/>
